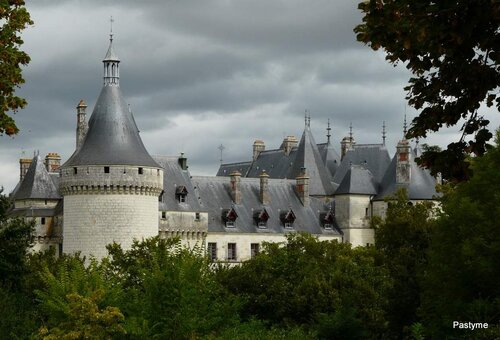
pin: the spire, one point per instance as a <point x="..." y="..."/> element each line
<point x="307" y="119"/>
<point x="404" y="127"/>
<point x="383" y="132"/>
<point x="111" y="63"/>
<point x="328" y="135"/>
<point x="350" y="132"/>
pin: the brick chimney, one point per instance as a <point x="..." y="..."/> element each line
<point x="52" y="162"/>
<point x="258" y="147"/>
<point x="264" y="188"/>
<point x="302" y="187"/>
<point x="235" y="180"/>
<point x="24" y="164"/>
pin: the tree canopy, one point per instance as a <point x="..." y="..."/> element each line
<point x="14" y="18"/>
<point x="451" y="47"/>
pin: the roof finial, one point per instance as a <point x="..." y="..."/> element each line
<point x="350" y="131"/>
<point x="111" y="28"/>
<point x="305" y="118"/>
<point x="221" y="148"/>
<point x="383" y="132"/>
<point x="328" y="135"/>
<point x="404" y="127"/>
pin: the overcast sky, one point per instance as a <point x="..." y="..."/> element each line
<point x="198" y="74"/>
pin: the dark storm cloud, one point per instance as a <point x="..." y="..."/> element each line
<point x="198" y="74"/>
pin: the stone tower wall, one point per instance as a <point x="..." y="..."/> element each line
<point x="101" y="207"/>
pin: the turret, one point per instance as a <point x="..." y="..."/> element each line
<point x="403" y="149"/>
<point x="81" y="123"/>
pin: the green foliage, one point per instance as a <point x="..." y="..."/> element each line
<point x="451" y="47"/>
<point x="403" y="238"/>
<point x="16" y="237"/>
<point x="461" y="279"/>
<point x="14" y="18"/>
<point x="18" y="314"/>
<point x="305" y="282"/>
<point x="169" y="292"/>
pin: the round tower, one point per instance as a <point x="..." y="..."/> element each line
<point x="110" y="185"/>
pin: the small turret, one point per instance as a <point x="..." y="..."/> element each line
<point x="81" y="123"/>
<point x="403" y="149"/>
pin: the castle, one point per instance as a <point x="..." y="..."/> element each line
<point x="112" y="189"/>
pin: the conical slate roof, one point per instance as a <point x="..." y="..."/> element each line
<point x="112" y="137"/>
<point x="330" y="158"/>
<point x="37" y="183"/>
<point x="111" y="55"/>
<point x="308" y="157"/>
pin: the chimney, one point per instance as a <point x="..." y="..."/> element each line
<point x="264" y="188"/>
<point x="183" y="161"/>
<point x="52" y="162"/>
<point x="258" y="147"/>
<point x="345" y="145"/>
<point x="302" y="187"/>
<point x="24" y="164"/>
<point x="403" y="173"/>
<point x="235" y="186"/>
<point x="289" y="142"/>
<point x="81" y="123"/>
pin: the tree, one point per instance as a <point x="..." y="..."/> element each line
<point x="461" y="279"/>
<point x="451" y="47"/>
<point x="14" y="18"/>
<point x="403" y="238"/>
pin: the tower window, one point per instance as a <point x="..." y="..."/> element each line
<point x="42" y="221"/>
<point x="197" y="216"/>
<point x="163" y="215"/>
<point x="106" y="169"/>
<point x="141" y="171"/>
<point x="75" y="171"/>
<point x="254" y="249"/>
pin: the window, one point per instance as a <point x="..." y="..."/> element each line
<point x="327" y="226"/>
<point x="366" y="212"/>
<point x="288" y="225"/>
<point x="75" y="171"/>
<point x="182" y="198"/>
<point x="212" y="251"/>
<point x="261" y="217"/>
<point x="262" y="224"/>
<point x="42" y="220"/>
<point x="197" y="216"/>
<point x="231" y="251"/>
<point x="106" y="169"/>
<point x="164" y="214"/>
<point x="229" y="224"/>
<point x="254" y="249"/>
<point x="181" y="193"/>
<point x="141" y="171"/>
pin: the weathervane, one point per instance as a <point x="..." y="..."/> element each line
<point x="328" y="135"/>
<point x="111" y="21"/>
<point x="383" y="132"/>
<point x="350" y="132"/>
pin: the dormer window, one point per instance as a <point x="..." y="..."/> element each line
<point x="288" y="218"/>
<point x="229" y="217"/>
<point x="181" y="193"/>
<point x="327" y="219"/>
<point x="260" y="217"/>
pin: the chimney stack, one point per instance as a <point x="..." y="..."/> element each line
<point x="24" y="164"/>
<point x="258" y="147"/>
<point x="235" y="186"/>
<point x="403" y="172"/>
<point x="302" y="187"/>
<point x="264" y="188"/>
<point x="81" y="123"/>
<point x="345" y="145"/>
<point x="52" y="162"/>
<point x="183" y="161"/>
<point x="289" y="142"/>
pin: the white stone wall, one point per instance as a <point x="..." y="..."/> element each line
<point x="359" y="236"/>
<point x="243" y="242"/>
<point x="35" y="203"/>
<point x="185" y="225"/>
<point x="94" y="220"/>
<point x="353" y="214"/>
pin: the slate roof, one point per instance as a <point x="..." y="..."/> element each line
<point x="276" y="163"/>
<point x="37" y="183"/>
<point x="241" y="167"/>
<point x="357" y="180"/>
<point x="373" y="157"/>
<point x="330" y="157"/>
<point x="215" y="198"/>
<point x="173" y="178"/>
<point x="110" y="54"/>
<point x="422" y="185"/>
<point x="112" y="137"/>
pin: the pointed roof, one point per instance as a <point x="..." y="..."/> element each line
<point x="330" y="157"/>
<point x="37" y="183"/>
<point x="422" y="185"/>
<point x="358" y="180"/>
<point x="308" y="156"/>
<point x="112" y="137"/>
<point x="111" y="55"/>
